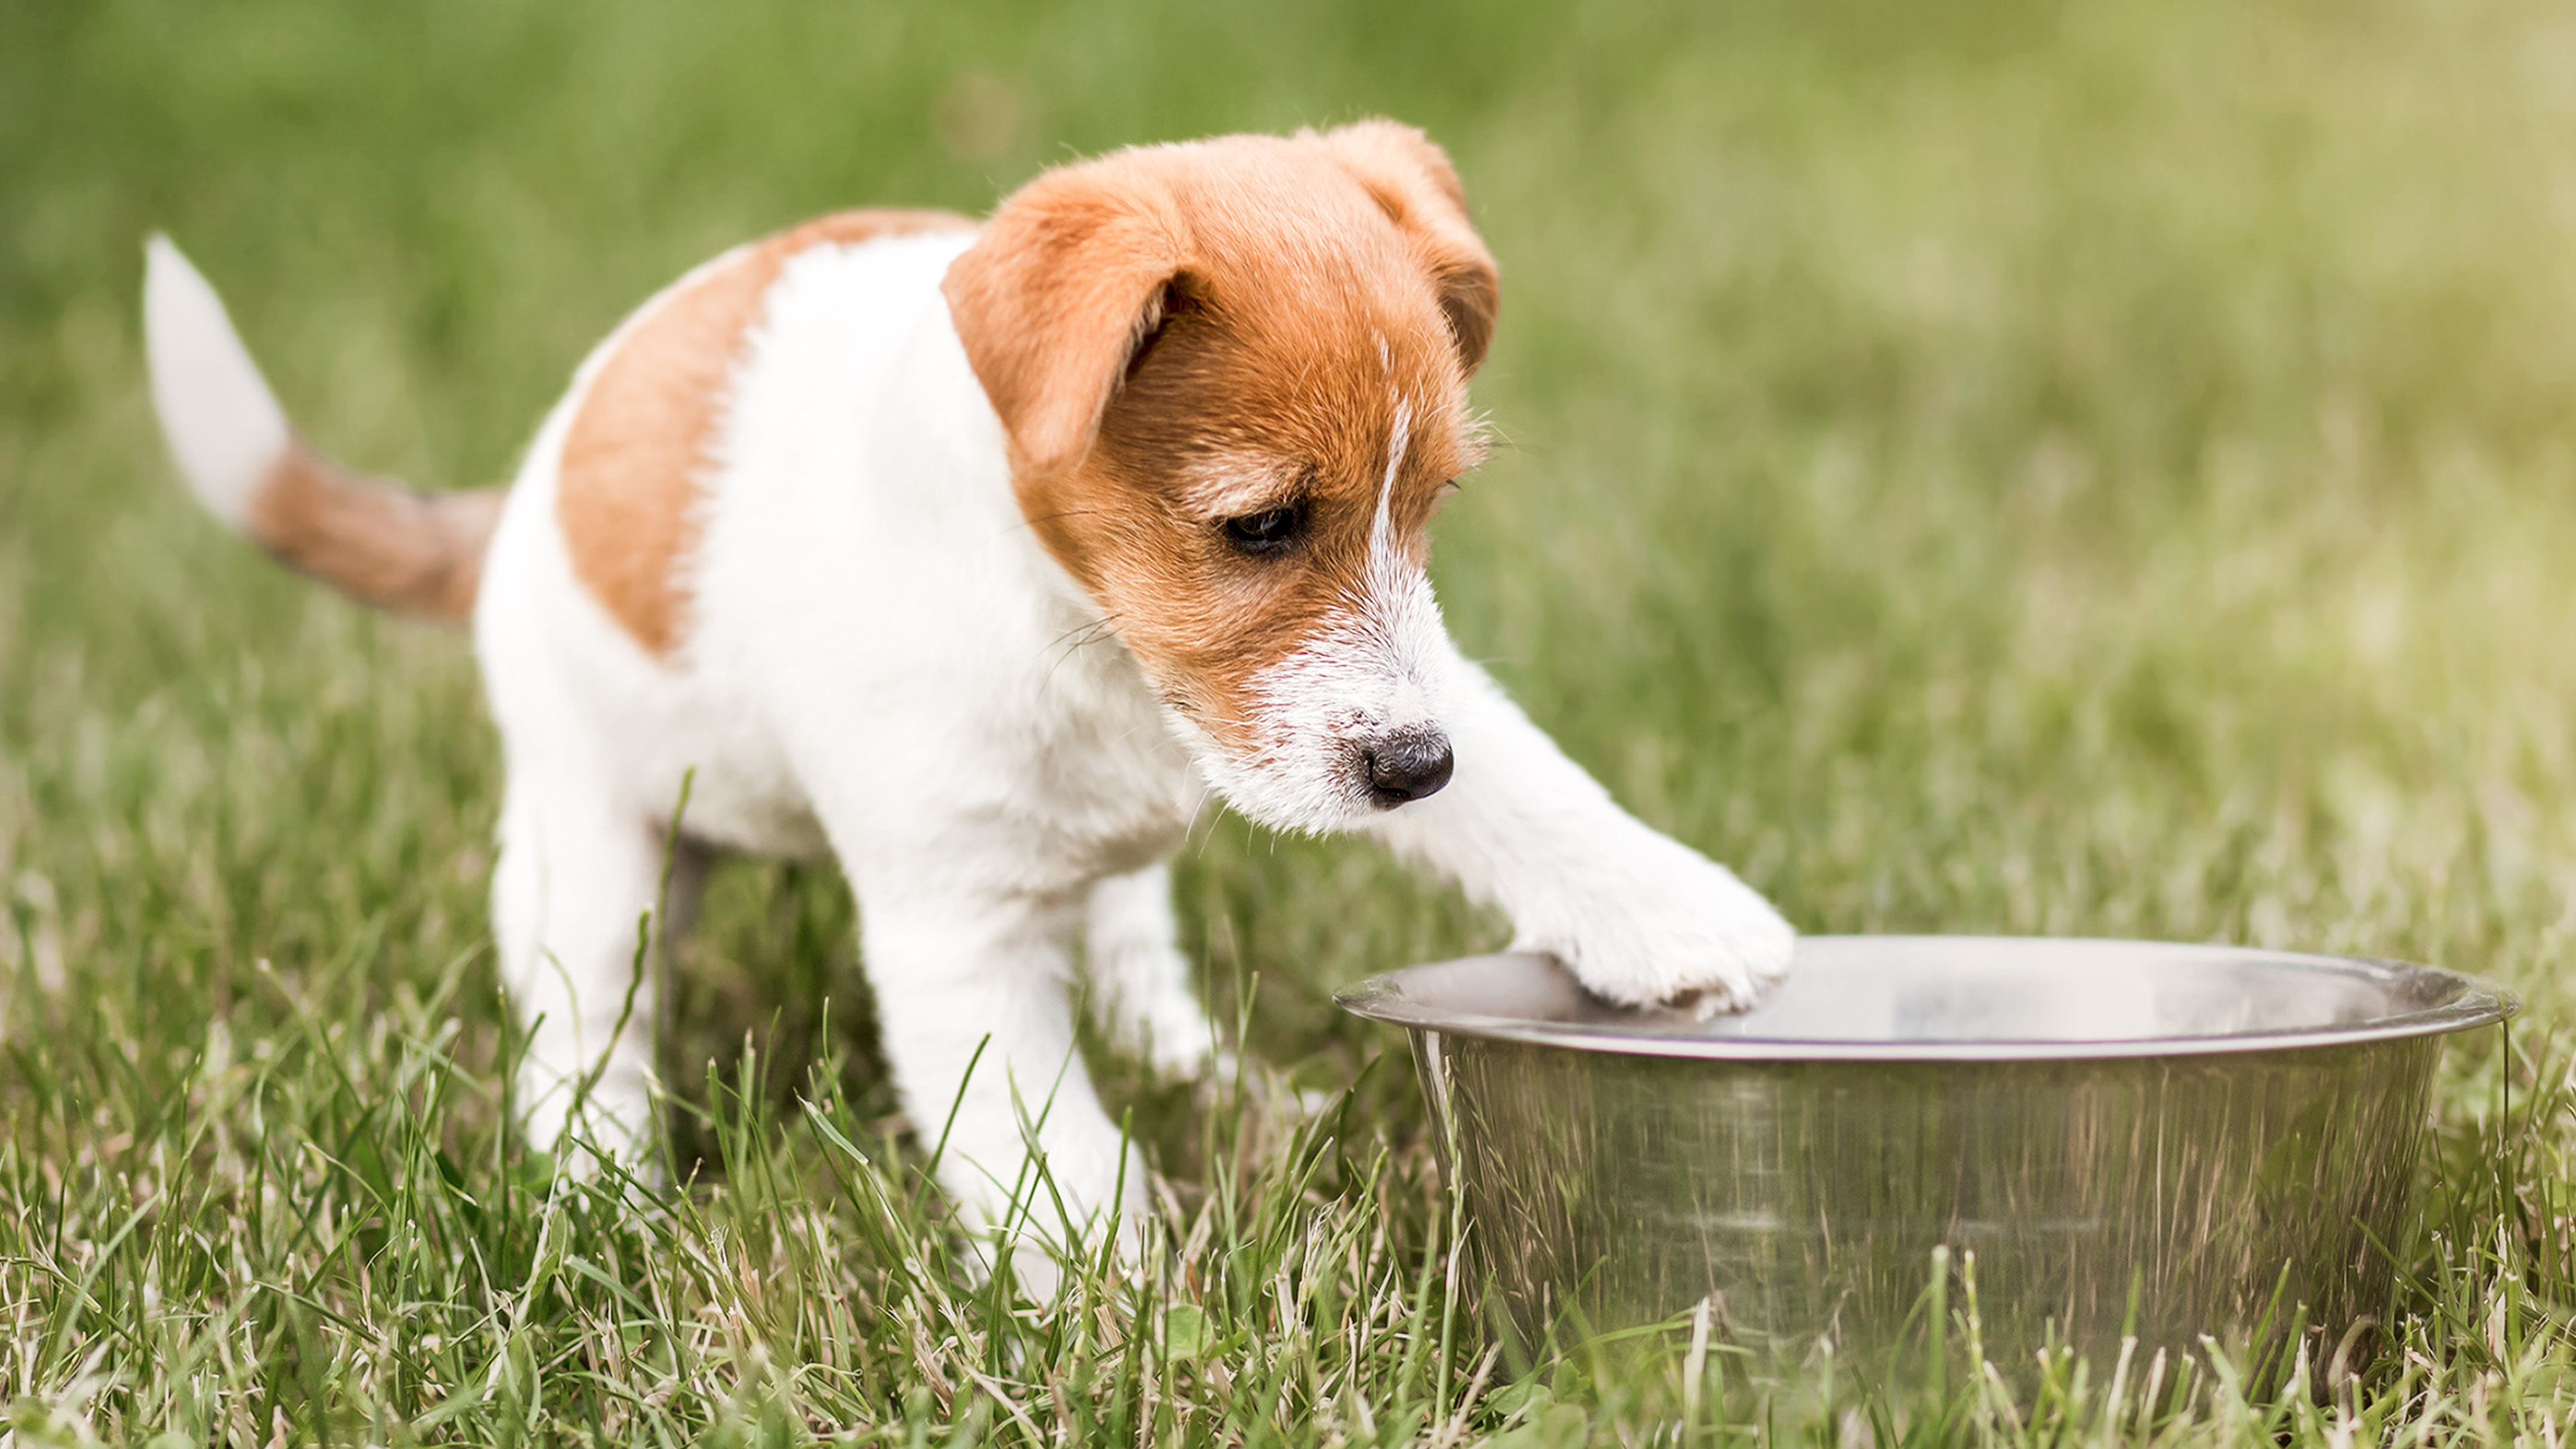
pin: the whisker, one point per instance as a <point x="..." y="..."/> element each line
<point x="1084" y="633"/>
<point x="1079" y="637"/>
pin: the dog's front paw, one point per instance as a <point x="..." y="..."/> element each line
<point x="1169" y="1033"/>
<point x="1667" y="925"/>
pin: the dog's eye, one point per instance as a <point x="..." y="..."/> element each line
<point x="1265" y="532"/>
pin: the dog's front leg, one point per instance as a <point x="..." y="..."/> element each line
<point x="1638" y="916"/>
<point x="973" y="1002"/>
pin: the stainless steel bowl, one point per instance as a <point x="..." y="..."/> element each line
<point x="2133" y="1139"/>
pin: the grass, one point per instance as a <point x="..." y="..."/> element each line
<point x="1977" y="467"/>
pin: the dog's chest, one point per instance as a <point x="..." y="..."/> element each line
<point x="1112" y="790"/>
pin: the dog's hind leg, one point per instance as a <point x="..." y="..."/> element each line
<point x="572" y="898"/>
<point x="973" y="1002"/>
<point x="1140" y="981"/>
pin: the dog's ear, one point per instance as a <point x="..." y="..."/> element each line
<point x="1413" y="180"/>
<point x="1071" y="276"/>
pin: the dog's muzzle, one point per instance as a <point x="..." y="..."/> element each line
<point x="1406" y="765"/>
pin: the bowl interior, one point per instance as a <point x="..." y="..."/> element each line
<point x="1936" y="991"/>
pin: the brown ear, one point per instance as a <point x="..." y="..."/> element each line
<point x="1066" y="282"/>
<point x="1414" y="181"/>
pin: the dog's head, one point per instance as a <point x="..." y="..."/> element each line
<point x="1233" y="375"/>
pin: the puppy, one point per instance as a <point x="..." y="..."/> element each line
<point x="976" y="555"/>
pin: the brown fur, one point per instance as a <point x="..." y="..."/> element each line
<point x="1162" y="320"/>
<point x="420" y="553"/>
<point x="628" y="488"/>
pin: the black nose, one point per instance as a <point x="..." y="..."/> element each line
<point x="1407" y="767"/>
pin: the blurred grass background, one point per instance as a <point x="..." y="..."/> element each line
<point x="2000" y="466"/>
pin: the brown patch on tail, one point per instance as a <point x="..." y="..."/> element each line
<point x="627" y="490"/>
<point x="379" y="542"/>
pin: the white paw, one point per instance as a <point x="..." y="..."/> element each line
<point x="1662" y="924"/>
<point x="613" y="1121"/>
<point x="1176" y="1040"/>
<point x="1059" y="1213"/>
<point x="1153" y="1018"/>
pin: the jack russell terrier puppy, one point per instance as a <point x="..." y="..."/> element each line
<point x="977" y="555"/>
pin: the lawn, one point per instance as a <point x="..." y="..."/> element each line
<point x="1983" y="467"/>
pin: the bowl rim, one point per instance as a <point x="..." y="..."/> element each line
<point x="2476" y="1003"/>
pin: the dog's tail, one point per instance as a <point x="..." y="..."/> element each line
<point x="416" y="553"/>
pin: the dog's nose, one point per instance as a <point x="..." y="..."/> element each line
<point x="1407" y="767"/>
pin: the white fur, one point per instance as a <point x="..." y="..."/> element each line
<point x="224" y="426"/>
<point x="1139" y="978"/>
<point x="882" y="660"/>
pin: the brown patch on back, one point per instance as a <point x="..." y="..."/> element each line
<point x="1249" y="307"/>
<point x="627" y="488"/>
<point x="418" y="553"/>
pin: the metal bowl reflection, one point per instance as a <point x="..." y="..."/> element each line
<point x="2134" y="1139"/>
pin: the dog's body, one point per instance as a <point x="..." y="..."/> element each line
<point x="975" y="555"/>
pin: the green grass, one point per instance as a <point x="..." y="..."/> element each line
<point x="1977" y="467"/>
